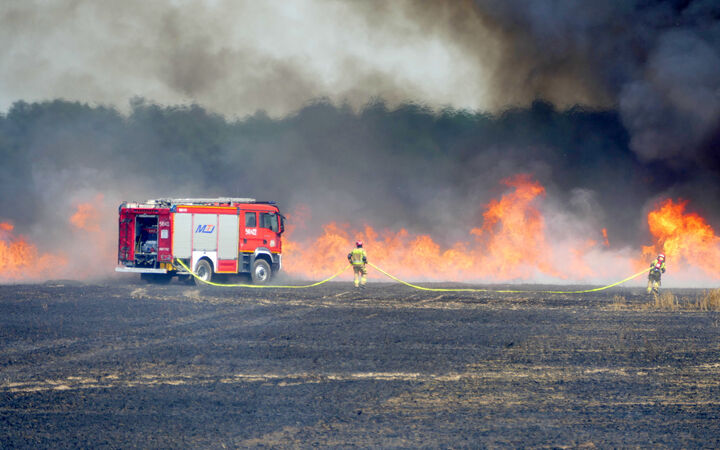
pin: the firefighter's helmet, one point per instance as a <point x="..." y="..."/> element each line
<point x="358" y="244"/>
<point x="661" y="257"/>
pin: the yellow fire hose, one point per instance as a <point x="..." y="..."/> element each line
<point x="182" y="264"/>
<point x="507" y="291"/>
<point x="414" y="286"/>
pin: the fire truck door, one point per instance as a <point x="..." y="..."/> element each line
<point x="163" y="236"/>
<point x="205" y="232"/>
<point x="228" y="237"/>
<point x="126" y="249"/>
<point x="249" y="235"/>
<point x="182" y="235"/>
<point x="268" y="230"/>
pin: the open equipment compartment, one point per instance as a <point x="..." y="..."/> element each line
<point x="146" y="240"/>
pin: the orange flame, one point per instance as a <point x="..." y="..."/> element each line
<point x="515" y="232"/>
<point x="510" y="245"/>
<point x="87" y="217"/>
<point x="685" y="238"/>
<point x="606" y="242"/>
<point x="21" y="260"/>
<point x="96" y="233"/>
<point x="91" y="240"/>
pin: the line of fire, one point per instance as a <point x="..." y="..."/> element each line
<point x="222" y="236"/>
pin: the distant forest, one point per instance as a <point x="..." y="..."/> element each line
<point x="406" y="166"/>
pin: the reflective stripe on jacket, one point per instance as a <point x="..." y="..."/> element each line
<point x="358" y="256"/>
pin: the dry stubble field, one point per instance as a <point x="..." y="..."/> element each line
<point x="128" y="364"/>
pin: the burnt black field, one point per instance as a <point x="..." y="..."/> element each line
<point x="132" y="365"/>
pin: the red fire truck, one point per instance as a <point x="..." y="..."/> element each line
<point x="209" y="235"/>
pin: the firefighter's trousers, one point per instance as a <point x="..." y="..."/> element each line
<point x="360" y="274"/>
<point x="653" y="283"/>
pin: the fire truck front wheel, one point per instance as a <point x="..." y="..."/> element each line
<point x="204" y="271"/>
<point x="261" y="272"/>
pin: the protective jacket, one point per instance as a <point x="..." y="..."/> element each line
<point x="657" y="267"/>
<point x="357" y="257"/>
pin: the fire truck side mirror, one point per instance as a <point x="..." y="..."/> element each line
<point x="281" y="224"/>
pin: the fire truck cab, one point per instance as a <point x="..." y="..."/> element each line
<point x="209" y="235"/>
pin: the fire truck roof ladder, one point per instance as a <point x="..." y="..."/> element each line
<point x="203" y="201"/>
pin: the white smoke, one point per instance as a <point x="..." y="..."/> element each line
<point x="232" y="57"/>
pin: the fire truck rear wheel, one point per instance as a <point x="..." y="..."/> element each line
<point x="261" y="272"/>
<point x="204" y="271"/>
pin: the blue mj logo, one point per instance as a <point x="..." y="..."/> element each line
<point x="205" y="228"/>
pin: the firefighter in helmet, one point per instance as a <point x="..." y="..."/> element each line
<point x="657" y="268"/>
<point x="358" y="258"/>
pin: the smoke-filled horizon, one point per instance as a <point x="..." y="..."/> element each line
<point x="656" y="62"/>
<point x="404" y="168"/>
<point x="400" y="115"/>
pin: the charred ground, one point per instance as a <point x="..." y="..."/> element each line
<point x="141" y="365"/>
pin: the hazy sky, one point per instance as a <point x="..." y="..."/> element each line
<point x="656" y="62"/>
<point x="234" y="57"/>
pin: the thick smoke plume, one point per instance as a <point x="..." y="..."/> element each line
<point x="656" y="62"/>
<point x="410" y="168"/>
<point x="612" y="106"/>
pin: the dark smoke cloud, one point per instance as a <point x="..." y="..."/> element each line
<point x="658" y="62"/>
<point x="677" y="106"/>
<point x="611" y="105"/>
<point x="406" y="167"/>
